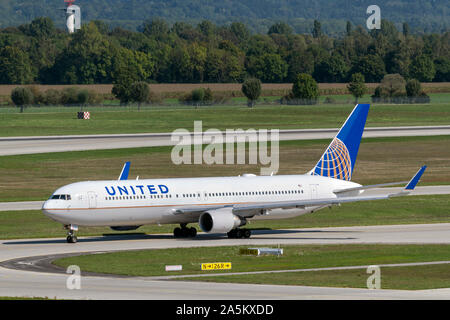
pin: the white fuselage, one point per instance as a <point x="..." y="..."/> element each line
<point x="155" y="201"/>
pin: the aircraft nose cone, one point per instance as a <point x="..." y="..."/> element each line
<point x="45" y="205"/>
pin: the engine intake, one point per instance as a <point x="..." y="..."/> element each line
<point x="220" y="221"/>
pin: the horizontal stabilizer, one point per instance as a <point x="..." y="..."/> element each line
<point x="411" y="184"/>
<point x="372" y="186"/>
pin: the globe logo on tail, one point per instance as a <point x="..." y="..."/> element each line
<point x="335" y="162"/>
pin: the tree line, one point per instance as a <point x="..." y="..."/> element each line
<point x="160" y="52"/>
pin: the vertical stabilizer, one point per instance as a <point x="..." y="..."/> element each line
<point x="339" y="158"/>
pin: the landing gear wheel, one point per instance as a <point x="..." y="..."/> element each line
<point x="239" y="234"/>
<point x="177" y="233"/>
<point x="71" y="239"/>
<point x="184" y="232"/>
<point x="192" y="232"/>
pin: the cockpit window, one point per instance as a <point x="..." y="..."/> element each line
<point x="61" y="197"/>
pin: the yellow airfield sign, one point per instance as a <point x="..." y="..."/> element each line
<point x="216" y="266"/>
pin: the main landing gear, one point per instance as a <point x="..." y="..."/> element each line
<point x="239" y="234"/>
<point x="184" y="232"/>
<point x="71" y="237"/>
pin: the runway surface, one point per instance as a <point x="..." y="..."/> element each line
<point x="15" y="282"/>
<point x="43" y="144"/>
<point x="428" y="190"/>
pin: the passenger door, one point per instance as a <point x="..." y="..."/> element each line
<point x="92" y="198"/>
<point x="314" y="191"/>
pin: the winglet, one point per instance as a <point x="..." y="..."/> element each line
<point x="412" y="184"/>
<point x="125" y="171"/>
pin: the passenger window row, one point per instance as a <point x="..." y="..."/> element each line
<point x="218" y="194"/>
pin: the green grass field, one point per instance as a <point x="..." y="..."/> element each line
<point x="152" y="263"/>
<point x="380" y="160"/>
<point x="406" y="210"/>
<point x="396" y="278"/>
<point x="63" y="120"/>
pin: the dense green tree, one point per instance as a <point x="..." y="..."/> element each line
<point x="251" y="88"/>
<point x="357" y="86"/>
<point x="180" y="68"/>
<point x="139" y="92"/>
<point x="156" y="28"/>
<point x="185" y="31"/>
<point x="317" y="29"/>
<point x="393" y="85"/>
<point x="280" y="28"/>
<point x="413" y="88"/>
<point x="261" y="44"/>
<point x="22" y="97"/>
<point x="305" y="89"/>
<point x="15" y="66"/>
<point x="223" y="66"/>
<point x="216" y="53"/>
<point x="371" y="67"/>
<point x="398" y="60"/>
<point x="41" y="28"/>
<point x="268" y="67"/>
<point x="422" y="68"/>
<point x="240" y="30"/>
<point x="206" y="28"/>
<point x="87" y="59"/>
<point x="131" y="65"/>
<point x="299" y="62"/>
<point x="348" y="28"/>
<point x="442" y="69"/>
<point x="332" y="70"/>
<point x="197" y="55"/>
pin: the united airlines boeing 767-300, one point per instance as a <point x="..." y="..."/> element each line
<point x="219" y="204"/>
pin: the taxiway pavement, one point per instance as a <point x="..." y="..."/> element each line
<point x="44" y="144"/>
<point x="15" y="282"/>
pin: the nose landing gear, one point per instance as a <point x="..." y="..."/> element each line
<point x="71" y="237"/>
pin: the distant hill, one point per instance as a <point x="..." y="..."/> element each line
<point x="421" y="15"/>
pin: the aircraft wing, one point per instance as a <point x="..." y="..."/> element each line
<point x="249" y="209"/>
<point x="243" y="208"/>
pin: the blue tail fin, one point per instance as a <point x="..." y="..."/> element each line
<point x="339" y="159"/>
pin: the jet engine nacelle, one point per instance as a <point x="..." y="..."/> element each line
<point x="220" y="221"/>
